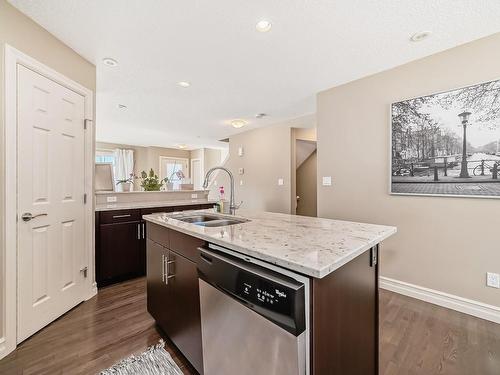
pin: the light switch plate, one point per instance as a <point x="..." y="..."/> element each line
<point x="327" y="181"/>
<point x="241" y="170"/>
<point x="240" y="151"/>
<point x="110" y="199"/>
<point x="493" y="279"/>
<point x="281" y="182"/>
<point x="241" y="182"/>
<point x="194" y="196"/>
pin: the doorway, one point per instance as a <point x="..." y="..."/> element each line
<point x="306" y="177"/>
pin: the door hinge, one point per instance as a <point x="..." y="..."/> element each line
<point x="85" y="123"/>
<point x="374" y="256"/>
<point x="84" y="270"/>
<point x="85" y="198"/>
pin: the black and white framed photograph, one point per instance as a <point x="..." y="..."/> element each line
<point x="447" y="143"/>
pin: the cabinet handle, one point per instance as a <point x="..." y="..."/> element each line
<point x="143" y="225"/>
<point x="162" y="268"/>
<point x="138" y="231"/>
<point x="167" y="276"/>
<point x="121" y="216"/>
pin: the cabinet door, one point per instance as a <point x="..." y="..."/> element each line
<point x="186" y="335"/>
<point x="119" y="250"/>
<point x="160" y="297"/>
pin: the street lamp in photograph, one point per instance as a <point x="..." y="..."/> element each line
<point x="464" y="116"/>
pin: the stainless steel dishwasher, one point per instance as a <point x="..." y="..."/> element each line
<point x="253" y="319"/>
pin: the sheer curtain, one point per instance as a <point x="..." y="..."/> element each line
<point x="124" y="164"/>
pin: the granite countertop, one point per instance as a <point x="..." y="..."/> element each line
<point x="132" y="205"/>
<point x="311" y="246"/>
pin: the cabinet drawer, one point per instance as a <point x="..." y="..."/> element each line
<point x="119" y="216"/>
<point x="158" y="234"/>
<point x="185" y="245"/>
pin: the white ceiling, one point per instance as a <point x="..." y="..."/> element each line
<point x="235" y="71"/>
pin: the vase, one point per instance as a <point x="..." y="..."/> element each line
<point x="126" y="186"/>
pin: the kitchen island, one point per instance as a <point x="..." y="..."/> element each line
<point x="336" y="262"/>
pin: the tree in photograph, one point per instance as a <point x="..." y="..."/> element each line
<point x="483" y="100"/>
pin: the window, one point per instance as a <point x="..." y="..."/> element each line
<point x="169" y="168"/>
<point x="104" y="157"/>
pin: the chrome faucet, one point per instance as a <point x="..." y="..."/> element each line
<point x="232" y="206"/>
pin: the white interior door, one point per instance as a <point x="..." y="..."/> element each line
<point x="50" y="188"/>
<point x="196" y="173"/>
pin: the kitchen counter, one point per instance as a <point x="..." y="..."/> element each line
<point x="312" y="246"/>
<point x="134" y="205"/>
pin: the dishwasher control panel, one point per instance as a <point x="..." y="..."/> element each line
<point x="262" y="292"/>
<point x="278" y="297"/>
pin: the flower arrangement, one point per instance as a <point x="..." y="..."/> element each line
<point x="127" y="182"/>
<point x="151" y="182"/>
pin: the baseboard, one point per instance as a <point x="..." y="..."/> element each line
<point x="450" y="301"/>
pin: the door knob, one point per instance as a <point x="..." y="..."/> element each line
<point x="27" y="216"/>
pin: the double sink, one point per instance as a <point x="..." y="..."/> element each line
<point x="208" y="220"/>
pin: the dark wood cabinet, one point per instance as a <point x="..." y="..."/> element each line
<point x="121" y="242"/>
<point x="160" y="295"/>
<point x="123" y="256"/>
<point x="187" y="332"/>
<point x="173" y="292"/>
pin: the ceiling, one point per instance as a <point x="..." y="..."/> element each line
<point x="235" y="71"/>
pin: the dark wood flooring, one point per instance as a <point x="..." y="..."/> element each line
<point x="416" y="338"/>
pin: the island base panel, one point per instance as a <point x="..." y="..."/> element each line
<point x="345" y="319"/>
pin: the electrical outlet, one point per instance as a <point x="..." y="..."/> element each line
<point x="493" y="279"/>
<point x="241" y="170"/>
<point x="110" y="199"/>
<point x="241" y="182"/>
<point x="327" y="181"/>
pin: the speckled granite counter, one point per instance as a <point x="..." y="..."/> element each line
<point x="133" y="205"/>
<point x="312" y="246"/>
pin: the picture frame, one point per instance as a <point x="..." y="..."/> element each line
<point x="428" y="155"/>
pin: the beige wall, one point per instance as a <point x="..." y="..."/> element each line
<point x="267" y="157"/>
<point x="23" y="34"/>
<point x="445" y="243"/>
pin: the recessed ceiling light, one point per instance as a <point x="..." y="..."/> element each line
<point x="108" y="61"/>
<point x="184" y="84"/>
<point x="238" y="123"/>
<point x="122" y="106"/>
<point x="421" y="35"/>
<point x="181" y="146"/>
<point x="263" y="26"/>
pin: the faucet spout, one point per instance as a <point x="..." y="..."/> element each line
<point x="232" y="205"/>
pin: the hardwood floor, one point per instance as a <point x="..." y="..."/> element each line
<point x="416" y="338"/>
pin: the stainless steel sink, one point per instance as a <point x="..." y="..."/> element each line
<point x="211" y="220"/>
<point x="198" y="218"/>
<point x="221" y="222"/>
